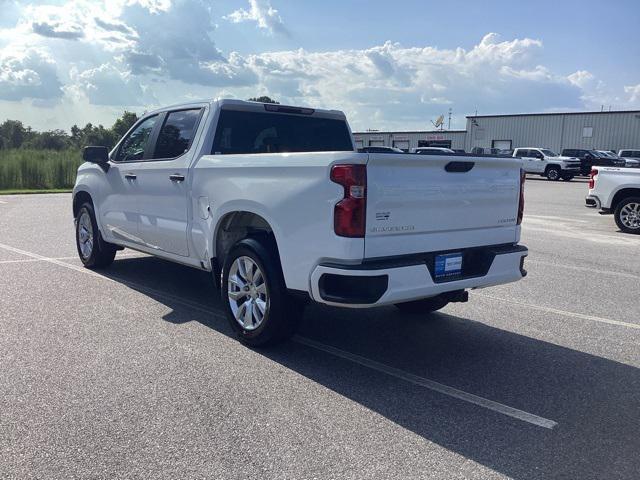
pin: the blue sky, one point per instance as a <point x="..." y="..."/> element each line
<point x="386" y="64"/>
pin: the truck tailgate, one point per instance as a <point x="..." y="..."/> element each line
<point x="428" y="203"/>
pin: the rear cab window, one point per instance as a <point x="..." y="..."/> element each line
<point x="252" y="132"/>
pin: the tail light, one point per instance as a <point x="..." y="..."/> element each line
<point x="523" y="176"/>
<point x="349" y="213"/>
<point x="592" y="178"/>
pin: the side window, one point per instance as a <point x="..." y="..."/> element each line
<point x="133" y="147"/>
<point x="177" y="133"/>
<point x="522" y="152"/>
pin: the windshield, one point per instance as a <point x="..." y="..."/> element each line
<point x="548" y="153"/>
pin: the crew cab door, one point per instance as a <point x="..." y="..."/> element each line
<point x="163" y="181"/>
<point x="527" y="159"/>
<point x="117" y="206"/>
<point x="538" y="162"/>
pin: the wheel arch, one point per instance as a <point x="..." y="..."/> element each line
<point x="80" y="197"/>
<point x="622" y="194"/>
<point x="235" y="225"/>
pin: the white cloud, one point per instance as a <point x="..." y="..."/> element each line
<point x="399" y="87"/>
<point x="165" y="46"/>
<point x="581" y="78"/>
<point x="125" y="53"/>
<point x="634" y="93"/>
<point x="107" y="85"/>
<point x="29" y="73"/>
<point x="263" y="14"/>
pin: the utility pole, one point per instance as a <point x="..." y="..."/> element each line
<point x="449" y="119"/>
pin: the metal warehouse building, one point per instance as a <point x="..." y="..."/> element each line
<point x="408" y="140"/>
<point x="589" y="130"/>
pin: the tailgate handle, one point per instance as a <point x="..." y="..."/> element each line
<point x="459" y="166"/>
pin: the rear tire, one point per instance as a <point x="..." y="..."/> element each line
<point x="256" y="302"/>
<point x="93" y="251"/>
<point x="627" y="215"/>
<point x="426" y="305"/>
<point x="553" y="173"/>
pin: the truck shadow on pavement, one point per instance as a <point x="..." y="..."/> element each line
<point x="595" y="401"/>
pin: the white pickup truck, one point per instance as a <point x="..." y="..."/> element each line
<point x="276" y="202"/>
<point x="616" y="190"/>
<point x="547" y="163"/>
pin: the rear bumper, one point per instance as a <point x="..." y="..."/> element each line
<point x="403" y="279"/>
<point x="592" y="201"/>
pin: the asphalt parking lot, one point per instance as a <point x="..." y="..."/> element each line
<point x="131" y="373"/>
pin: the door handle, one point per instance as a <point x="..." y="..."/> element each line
<point x="130" y="176"/>
<point x="176" y="177"/>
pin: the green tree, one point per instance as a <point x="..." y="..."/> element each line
<point x="12" y="133"/>
<point x="263" y="99"/>
<point x="50" y="140"/>
<point x="124" y="123"/>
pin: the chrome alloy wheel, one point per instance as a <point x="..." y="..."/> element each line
<point x="85" y="235"/>
<point x="247" y="292"/>
<point x="630" y="215"/>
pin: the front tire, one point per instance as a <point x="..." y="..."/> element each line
<point x="627" y="215"/>
<point x="93" y="251"/>
<point x="426" y="305"/>
<point x="553" y="173"/>
<point x="254" y="295"/>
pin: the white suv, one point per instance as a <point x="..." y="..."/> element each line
<point x="547" y="163"/>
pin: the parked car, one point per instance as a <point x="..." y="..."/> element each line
<point x="617" y="191"/>
<point x="547" y="163"/>
<point x="591" y="158"/>
<point x="632" y="162"/>
<point x="485" y="151"/>
<point x="380" y="150"/>
<point x="433" y="151"/>
<point x="629" y="153"/>
<point x="631" y="157"/>
<point x="276" y="202"/>
<point x="619" y="162"/>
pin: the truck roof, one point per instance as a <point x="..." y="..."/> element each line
<point x="253" y="106"/>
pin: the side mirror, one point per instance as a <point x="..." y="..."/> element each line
<point x="99" y="155"/>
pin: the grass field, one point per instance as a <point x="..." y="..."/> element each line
<point x="28" y="170"/>
<point x="19" y="191"/>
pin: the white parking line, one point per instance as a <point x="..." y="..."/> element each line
<point x="2" y="201"/>
<point x="430" y="384"/>
<point x="565" y="313"/>
<point x="46" y="259"/>
<point x="586" y="269"/>
<point x="372" y="364"/>
<point x="22" y="260"/>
